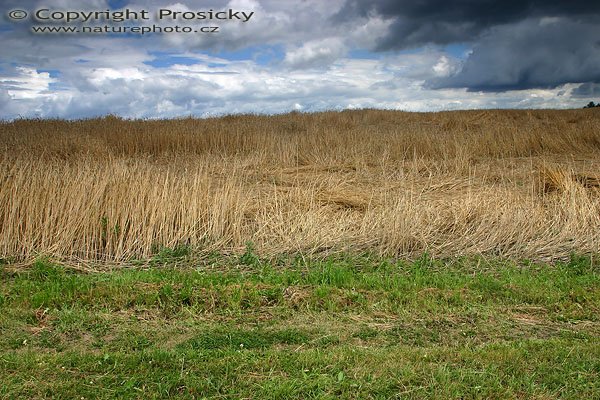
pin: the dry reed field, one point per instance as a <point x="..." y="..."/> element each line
<point x="517" y="184"/>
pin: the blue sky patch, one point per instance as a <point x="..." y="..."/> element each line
<point x="116" y="4"/>
<point x="164" y="60"/>
<point x="54" y="73"/>
<point x="458" y="50"/>
<point x="261" y="55"/>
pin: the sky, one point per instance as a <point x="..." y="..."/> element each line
<point x="276" y="56"/>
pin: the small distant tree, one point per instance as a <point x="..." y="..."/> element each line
<point x="592" y="105"/>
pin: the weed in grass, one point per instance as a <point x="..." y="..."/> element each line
<point x="235" y="339"/>
<point x="249" y="257"/>
<point x="166" y="255"/>
<point x="366" y="333"/>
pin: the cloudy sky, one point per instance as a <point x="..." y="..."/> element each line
<point x="305" y="55"/>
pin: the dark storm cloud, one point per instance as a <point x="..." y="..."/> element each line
<point x="587" y="90"/>
<point x="516" y="44"/>
<point x="442" y="22"/>
<point x="530" y="54"/>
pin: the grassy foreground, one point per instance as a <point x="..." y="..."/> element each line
<point x="347" y="327"/>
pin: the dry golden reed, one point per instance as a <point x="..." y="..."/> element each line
<point x="499" y="182"/>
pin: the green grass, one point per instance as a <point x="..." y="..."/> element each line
<point x="351" y="327"/>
